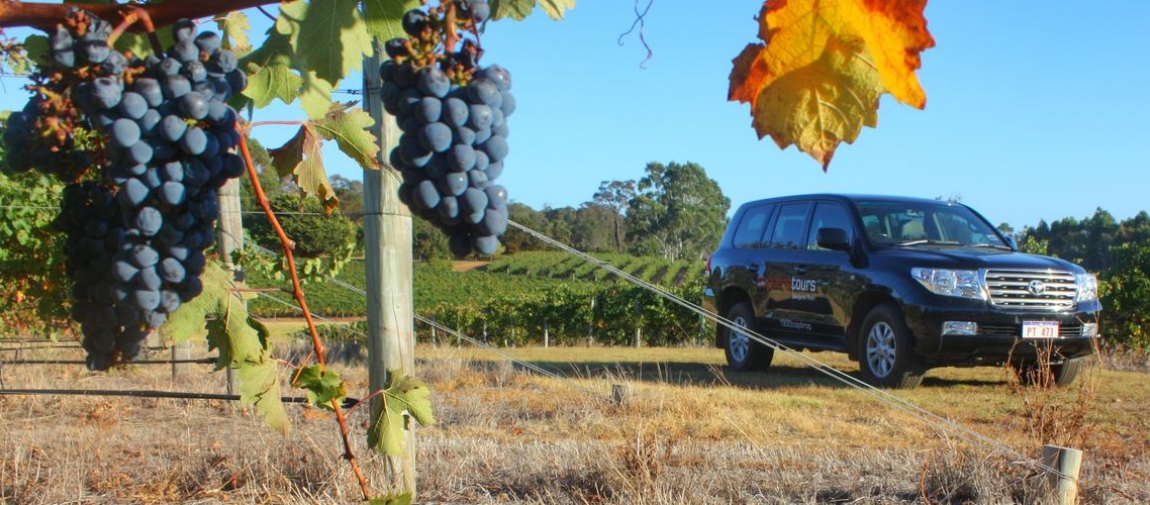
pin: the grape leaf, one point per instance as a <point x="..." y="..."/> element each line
<point x="322" y="387"/>
<point x="330" y="36"/>
<point x="384" y="17"/>
<point x="404" y="397"/>
<point x="391" y="499"/>
<point x="235" y="27"/>
<point x="270" y="73"/>
<point x="300" y="158"/>
<point x="315" y="97"/>
<point x="348" y="127"/>
<point x="520" y="9"/>
<point x="241" y="343"/>
<point x="816" y="77"/>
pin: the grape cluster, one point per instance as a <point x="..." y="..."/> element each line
<point x="453" y="116"/>
<point x="136" y="237"/>
<point x="50" y="134"/>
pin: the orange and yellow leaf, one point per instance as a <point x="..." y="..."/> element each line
<point x="816" y="79"/>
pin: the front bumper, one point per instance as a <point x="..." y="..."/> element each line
<point x="999" y="335"/>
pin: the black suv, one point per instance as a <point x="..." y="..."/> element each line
<point x="900" y="285"/>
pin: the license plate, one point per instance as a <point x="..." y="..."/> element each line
<point x="1040" y="329"/>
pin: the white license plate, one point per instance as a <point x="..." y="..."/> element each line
<point x="1040" y="329"/>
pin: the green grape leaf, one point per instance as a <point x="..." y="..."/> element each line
<point x="322" y="387"/>
<point x="259" y="386"/>
<point x="300" y="159"/>
<point x="270" y="74"/>
<point x="384" y="17"/>
<point x="391" y="499"/>
<point x="520" y="9"/>
<point x="348" y="128"/>
<point x="404" y="396"/>
<point x="36" y="48"/>
<point x="330" y="36"/>
<point x="556" y="9"/>
<point x="235" y="27"/>
<point x="315" y="98"/>
<point x="241" y="343"/>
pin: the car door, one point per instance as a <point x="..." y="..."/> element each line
<point x="780" y="308"/>
<point x="745" y="260"/>
<point x="827" y="278"/>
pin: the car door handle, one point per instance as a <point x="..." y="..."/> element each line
<point x="753" y="267"/>
<point x="801" y="270"/>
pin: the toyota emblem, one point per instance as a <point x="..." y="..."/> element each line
<point x="1036" y="287"/>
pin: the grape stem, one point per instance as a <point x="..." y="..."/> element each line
<point x="452" y="35"/>
<point x="317" y="345"/>
<point x="131" y="17"/>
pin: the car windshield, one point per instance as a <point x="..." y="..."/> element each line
<point x="926" y="223"/>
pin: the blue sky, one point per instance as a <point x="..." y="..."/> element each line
<point x="1035" y="110"/>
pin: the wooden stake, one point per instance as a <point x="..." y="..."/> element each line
<point x="388" y="262"/>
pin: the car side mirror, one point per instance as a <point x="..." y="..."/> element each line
<point x="835" y="239"/>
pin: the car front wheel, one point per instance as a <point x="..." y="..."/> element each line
<point x="886" y="357"/>
<point x="743" y="353"/>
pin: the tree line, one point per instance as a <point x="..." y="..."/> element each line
<point x="674" y="211"/>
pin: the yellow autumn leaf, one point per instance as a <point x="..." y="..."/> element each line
<point x="817" y="77"/>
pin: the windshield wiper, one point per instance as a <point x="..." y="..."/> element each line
<point x="928" y="242"/>
<point x="996" y="246"/>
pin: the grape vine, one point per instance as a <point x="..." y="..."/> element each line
<point x="453" y="116"/>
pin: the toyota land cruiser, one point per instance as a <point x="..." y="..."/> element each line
<point x="898" y="284"/>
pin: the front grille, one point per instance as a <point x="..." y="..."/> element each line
<point x="1065" y="330"/>
<point x="1012" y="289"/>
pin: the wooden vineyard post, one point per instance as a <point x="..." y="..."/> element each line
<point x="388" y="264"/>
<point x="231" y="240"/>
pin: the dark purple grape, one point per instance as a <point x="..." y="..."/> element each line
<point x="183" y="29"/>
<point x="149" y="88"/>
<point x="147" y="299"/>
<point x="185" y="51"/>
<point x="455" y="112"/>
<point x="484" y="91"/>
<point x="172" y="128"/>
<point x="496" y="197"/>
<point x="496" y="148"/>
<point x="194" y="105"/>
<point x="429" y="109"/>
<point x="167" y="67"/>
<point x="435" y="137"/>
<point x="106" y="92"/>
<point x="208" y="42"/>
<point x="414" y="21"/>
<point x="461" y="158"/>
<point x="125" y="132"/>
<point x="172" y="193"/>
<point x="149" y="279"/>
<point x="453" y="184"/>
<point x="148" y="221"/>
<point x="478" y="116"/>
<point x="144" y="256"/>
<point x="499" y="75"/>
<point x="508" y="105"/>
<point x="486" y="245"/>
<point x="175" y="86"/>
<point x="148" y="122"/>
<point x="140" y="152"/>
<point x="133" y="193"/>
<point x="433" y="82"/>
<point x="426" y="195"/>
<point x="169" y="301"/>
<point x="396" y="48"/>
<point x="124" y="271"/>
<point x="494" y="223"/>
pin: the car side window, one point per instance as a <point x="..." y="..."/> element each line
<point x="788" y="230"/>
<point x="828" y="215"/>
<point x="749" y="234"/>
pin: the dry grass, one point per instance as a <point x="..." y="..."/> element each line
<point x="688" y="433"/>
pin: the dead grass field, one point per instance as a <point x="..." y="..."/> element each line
<point x="688" y="433"/>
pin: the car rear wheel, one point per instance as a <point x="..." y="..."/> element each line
<point x="886" y="357"/>
<point x="743" y="353"/>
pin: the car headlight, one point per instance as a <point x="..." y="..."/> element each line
<point x="1087" y="287"/>
<point x="960" y="283"/>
